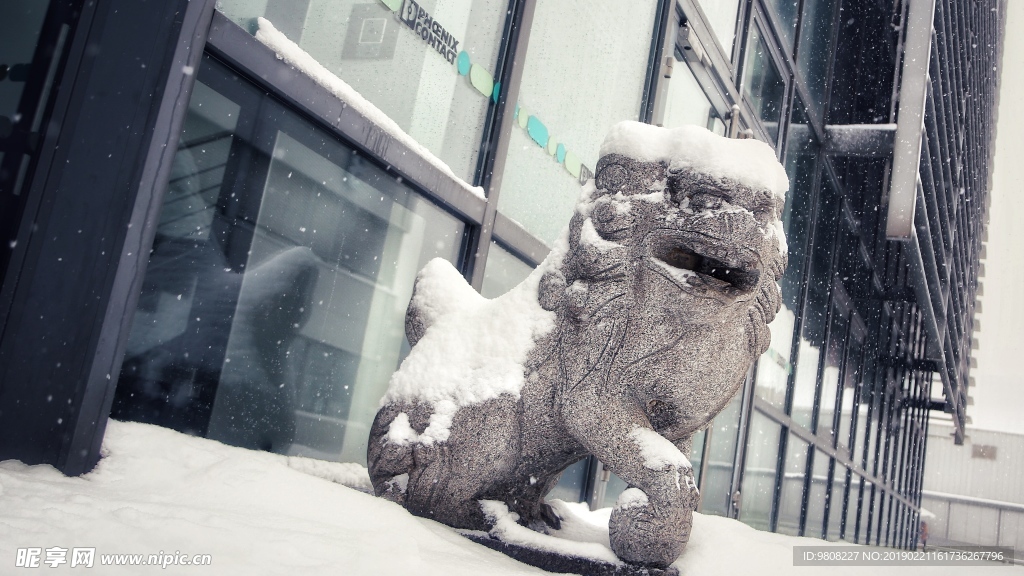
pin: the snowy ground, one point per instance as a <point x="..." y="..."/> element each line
<point x="257" y="513"/>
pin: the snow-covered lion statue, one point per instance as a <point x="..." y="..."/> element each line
<point x="630" y="337"/>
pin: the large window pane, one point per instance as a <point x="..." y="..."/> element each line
<point x="272" y="312"/>
<point x="776" y="365"/>
<point x="570" y="486"/>
<point x="836" y="513"/>
<point x="34" y="39"/>
<point x="814" y="56"/>
<point x="785" y="12"/>
<point x="503" y="272"/>
<point x="762" y="456"/>
<point x="577" y="49"/>
<point x="685" y="101"/>
<point x="830" y="374"/>
<point x="715" y="489"/>
<point x="763" y="85"/>
<point x="851" y="529"/>
<point x="721" y="16"/>
<point x="791" y="495"/>
<point x="816" y="308"/>
<point x="408" y="63"/>
<point x="816" y="499"/>
<point x="697" y="453"/>
<point x="849" y="388"/>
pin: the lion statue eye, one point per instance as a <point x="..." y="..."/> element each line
<point x="705" y="201"/>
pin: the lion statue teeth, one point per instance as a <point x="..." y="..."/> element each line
<point x="634" y="333"/>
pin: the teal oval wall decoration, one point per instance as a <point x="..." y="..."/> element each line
<point x="537" y="130"/>
<point x="463" y="63"/>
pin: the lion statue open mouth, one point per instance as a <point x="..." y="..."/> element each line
<point x="632" y="335"/>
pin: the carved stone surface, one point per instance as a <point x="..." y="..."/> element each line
<point x="660" y="302"/>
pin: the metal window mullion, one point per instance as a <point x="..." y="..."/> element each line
<point x="493" y="172"/>
<point x="236" y="47"/>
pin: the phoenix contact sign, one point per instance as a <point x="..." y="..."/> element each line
<point x="431" y="31"/>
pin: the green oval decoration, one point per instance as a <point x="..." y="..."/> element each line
<point x="523" y="118"/>
<point x="573" y="164"/>
<point x="463" y="63"/>
<point x="552" y="146"/>
<point x="481" y="79"/>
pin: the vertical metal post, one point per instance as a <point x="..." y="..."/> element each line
<point x="496" y="149"/>
<point x="899" y="222"/>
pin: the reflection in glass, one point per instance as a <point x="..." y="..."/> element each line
<point x="272" y="312"/>
<point x="813" y="56"/>
<point x="816" y="498"/>
<point x="762" y="456"/>
<point x="816" y="307"/>
<point x="791" y="495"/>
<point x="715" y="489"/>
<point x="394" y="67"/>
<point x="763" y="85"/>
<point x="785" y="15"/>
<point x="503" y="272"/>
<point x="577" y="50"/>
<point x="721" y="16"/>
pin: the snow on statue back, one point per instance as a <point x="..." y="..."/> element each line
<point x="632" y="335"/>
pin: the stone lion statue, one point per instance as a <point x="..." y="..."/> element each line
<point x="633" y="334"/>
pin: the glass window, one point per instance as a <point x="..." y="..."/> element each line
<point x="762" y="457"/>
<point x="775" y="366"/>
<point x="816" y="498"/>
<point x="716" y="488"/>
<point x="853" y="500"/>
<point x="721" y="15"/>
<point x="815" y="315"/>
<point x="576" y="50"/>
<point x="849" y="388"/>
<point x="785" y="12"/>
<point x="685" y="101"/>
<point x="763" y="84"/>
<point x="830" y="374"/>
<point x="272" y="311"/>
<point x="814" y="56"/>
<point x="866" y="512"/>
<point x="837" y="511"/>
<point x="429" y="66"/>
<point x="864" y="412"/>
<point x="34" y="37"/>
<point x="791" y="495"/>
<point x="503" y="272"/>
<point x="572" y="482"/>
<point x="697" y="453"/>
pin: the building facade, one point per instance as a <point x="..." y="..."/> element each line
<point x="214" y="212"/>
<point x="971" y="492"/>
